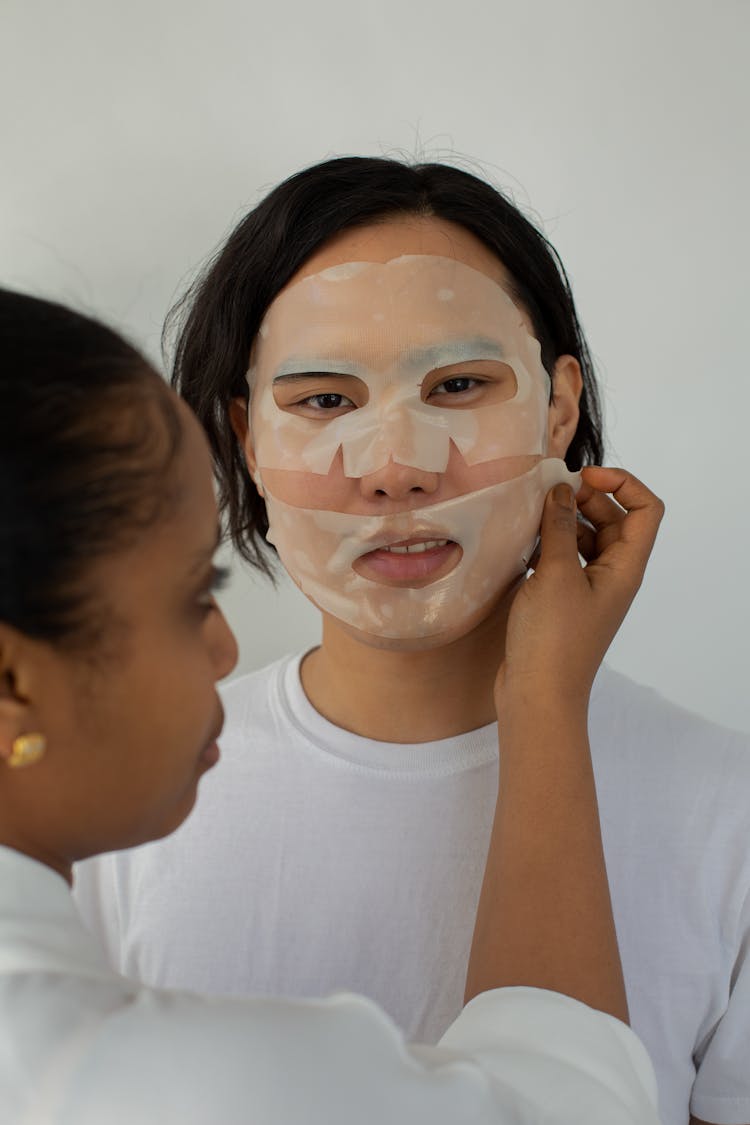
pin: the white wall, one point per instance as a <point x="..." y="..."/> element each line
<point x="134" y="135"/>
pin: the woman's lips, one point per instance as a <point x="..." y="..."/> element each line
<point x="210" y="755"/>
<point x="396" y="565"/>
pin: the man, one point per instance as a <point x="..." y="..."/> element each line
<point x="403" y="371"/>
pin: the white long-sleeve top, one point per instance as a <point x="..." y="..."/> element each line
<point x="80" y="1045"/>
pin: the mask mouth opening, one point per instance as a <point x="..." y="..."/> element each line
<point x="413" y="563"/>
<point x="413" y="544"/>
<point x="402" y="535"/>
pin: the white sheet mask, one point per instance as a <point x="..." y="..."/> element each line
<point x="496" y="527"/>
<point x="390" y="325"/>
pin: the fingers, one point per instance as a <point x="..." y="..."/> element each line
<point x="559" y="528"/>
<point x="616" y="532"/>
<point x="634" y="513"/>
<point x="599" y="509"/>
<point x="586" y="536"/>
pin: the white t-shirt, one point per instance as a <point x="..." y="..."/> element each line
<point x="80" y="1045"/>
<point x="317" y="860"/>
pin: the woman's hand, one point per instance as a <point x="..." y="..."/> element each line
<point x="564" y="617"/>
<point x="545" y="916"/>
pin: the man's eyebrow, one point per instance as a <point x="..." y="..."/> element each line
<point x="204" y="554"/>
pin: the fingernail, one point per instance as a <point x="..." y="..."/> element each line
<point x="563" y="495"/>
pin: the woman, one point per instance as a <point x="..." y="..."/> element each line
<point x="111" y="644"/>
<point x="401" y="462"/>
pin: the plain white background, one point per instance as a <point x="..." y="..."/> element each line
<point x="133" y="136"/>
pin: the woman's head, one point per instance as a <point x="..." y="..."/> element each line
<point x="110" y="643"/>
<point x="224" y="310"/>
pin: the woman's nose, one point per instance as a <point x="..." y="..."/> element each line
<point x="224" y="650"/>
<point x="398" y="481"/>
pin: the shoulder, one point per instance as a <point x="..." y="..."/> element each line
<point x="670" y="779"/>
<point x="635" y="720"/>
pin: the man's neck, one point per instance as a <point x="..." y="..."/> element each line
<point x="409" y="697"/>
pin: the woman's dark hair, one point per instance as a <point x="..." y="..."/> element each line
<point x="217" y="320"/>
<point x="87" y="432"/>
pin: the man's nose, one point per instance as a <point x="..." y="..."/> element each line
<point x="398" y="481"/>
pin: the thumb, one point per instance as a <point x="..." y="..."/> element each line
<point x="559" y="538"/>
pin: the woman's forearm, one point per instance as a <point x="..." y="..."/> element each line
<point x="545" y="916"/>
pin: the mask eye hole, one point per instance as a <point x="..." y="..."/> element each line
<point x="475" y="383"/>
<point x="319" y="395"/>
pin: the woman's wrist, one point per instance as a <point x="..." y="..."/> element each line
<point x="523" y="702"/>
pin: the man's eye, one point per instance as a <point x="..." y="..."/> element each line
<point x="455" y="386"/>
<point x="326" y="402"/>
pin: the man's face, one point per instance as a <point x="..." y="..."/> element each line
<point x="398" y="430"/>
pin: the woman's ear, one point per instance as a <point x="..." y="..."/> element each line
<point x="17" y="715"/>
<point x="562" y="418"/>
<point x="238" y="420"/>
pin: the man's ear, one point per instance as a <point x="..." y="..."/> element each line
<point x="563" y="415"/>
<point x="238" y="420"/>
<point x="17" y="713"/>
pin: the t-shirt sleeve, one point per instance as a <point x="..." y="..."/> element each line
<point x="721" y="1093"/>
<point x="514" y="1057"/>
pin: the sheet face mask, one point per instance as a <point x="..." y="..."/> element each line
<point x="393" y="327"/>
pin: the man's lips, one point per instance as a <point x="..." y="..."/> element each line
<point x="413" y="562"/>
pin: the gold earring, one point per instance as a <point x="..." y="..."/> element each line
<point x="27" y="749"/>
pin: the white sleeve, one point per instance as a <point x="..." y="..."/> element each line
<point x="568" y="1061"/>
<point x="514" y="1057"/>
